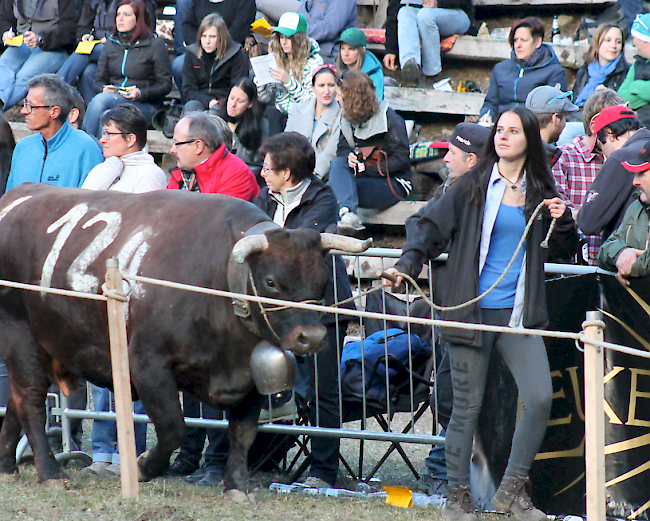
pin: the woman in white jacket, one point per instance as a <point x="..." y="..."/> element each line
<point x="127" y="166"/>
<point x="296" y="56"/>
<point x="319" y="120"/>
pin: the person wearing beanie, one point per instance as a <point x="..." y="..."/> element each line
<point x="354" y="55"/>
<point x="620" y="136"/>
<point x="636" y="87"/>
<point x="414" y="29"/>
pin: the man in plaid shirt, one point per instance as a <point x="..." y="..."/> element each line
<point x="580" y="163"/>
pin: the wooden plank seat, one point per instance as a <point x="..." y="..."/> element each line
<point x="396" y="215"/>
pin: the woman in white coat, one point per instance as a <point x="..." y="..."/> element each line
<point x="319" y="120"/>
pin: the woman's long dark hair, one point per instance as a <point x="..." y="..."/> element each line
<point x="539" y="180"/>
<point x="249" y="129"/>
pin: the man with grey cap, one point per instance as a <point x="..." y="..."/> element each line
<point x="465" y="148"/>
<point x="551" y="107"/>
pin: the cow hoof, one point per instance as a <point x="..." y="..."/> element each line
<point x="57" y="484"/>
<point x="10" y="477"/>
<point x="142" y="459"/>
<point x="238" y="496"/>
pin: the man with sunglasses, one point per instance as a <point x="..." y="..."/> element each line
<point x="204" y="162"/>
<point x="57" y="154"/>
<point x="551" y="106"/>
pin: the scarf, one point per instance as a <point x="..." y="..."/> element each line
<point x="597" y="74"/>
<point x="641" y="68"/>
<point x="125" y="37"/>
<point x="533" y="59"/>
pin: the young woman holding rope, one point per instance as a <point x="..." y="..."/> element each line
<point x="485" y="218"/>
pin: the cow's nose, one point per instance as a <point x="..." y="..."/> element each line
<point x="308" y="339"/>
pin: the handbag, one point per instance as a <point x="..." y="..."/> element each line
<point x="373" y="156"/>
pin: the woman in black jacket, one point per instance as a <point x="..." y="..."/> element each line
<point x="360" y="179"/>
<point x="212" y="65"/>
<point x="295" y="198"/>
<point x="484" y="217"/>
<point x="133" y="67"/>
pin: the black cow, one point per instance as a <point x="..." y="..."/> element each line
<point x="62" y="237"/>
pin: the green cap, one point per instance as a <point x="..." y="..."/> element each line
<point x="290" y="24"/>
<point x="354" y="37"/>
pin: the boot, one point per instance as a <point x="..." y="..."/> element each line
<point x="513" y="497"/>
<point x="459" y="505"/>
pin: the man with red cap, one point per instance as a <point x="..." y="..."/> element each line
<point x="620" y="137"/>
<point x="626" y="251"/>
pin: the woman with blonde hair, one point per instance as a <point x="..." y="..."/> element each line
<point x="372" y="168"/>
<point x="296" y="56"/>
<point x="212" y="65"/>
<point x="354" y="55"/>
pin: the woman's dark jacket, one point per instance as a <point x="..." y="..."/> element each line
<point x="613" y="81"/>
<point x="455" y="218"/>
<point x="238" y="15"/>
<point x="394" y="7"/>
<point x="204" y="81"/>
<point x="98" y="16"/>
<point x="318" y="210"/>
<point x="144" y="64"/>
<point x="511" y="81"/>
<point x="395" y="143"/>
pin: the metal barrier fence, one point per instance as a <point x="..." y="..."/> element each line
<point x="593" y="352"/>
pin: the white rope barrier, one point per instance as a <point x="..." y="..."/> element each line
<point x="54" y="291"/>
<point x="382" y="316"/>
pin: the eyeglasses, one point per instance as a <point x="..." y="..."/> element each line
<point x="29" y="108"/>
<point x="109" y="135"/>
<point x="267" y="168"/>
<point x="185" y="142"/>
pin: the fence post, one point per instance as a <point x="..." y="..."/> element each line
<point x="594" y="417"/>
<point x="121" y="381"/>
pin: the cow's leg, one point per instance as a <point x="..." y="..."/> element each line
<point x="159" y="396"/>
<point x="28" y="384"/>
<point x="242" y="429"/>
<point x="9" y="439"/>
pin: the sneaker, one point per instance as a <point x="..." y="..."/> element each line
<point x="432" y="486"/>
<point x="113" y="470"/>
<point x="350" y="221"/>
<point x="212" y="478"/>
<point x="96" y="469"/>
<point x="183" y="465"/>
<point x="410" y="73"/>
<point x="312" y="482"/>
<point x="195" y="476"/>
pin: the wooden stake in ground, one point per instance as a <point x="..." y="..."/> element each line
<point x="594" y="417"/>
<point x="121" y="380"/>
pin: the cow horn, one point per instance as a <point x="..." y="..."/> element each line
<point x="247" y="245"/>
<point x="331" y="241"/>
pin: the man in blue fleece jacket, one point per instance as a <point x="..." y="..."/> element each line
<point x="58" y="154"/>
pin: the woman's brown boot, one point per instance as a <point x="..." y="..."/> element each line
<point x="459" y="505"/>
<point x="513" y="497"/>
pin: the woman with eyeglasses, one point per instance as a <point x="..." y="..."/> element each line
<point x="133" y="68"/>
<point x="127" y="168"/>
<point x="483" y="220"/>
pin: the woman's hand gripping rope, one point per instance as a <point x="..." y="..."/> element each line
<point x="557" y="207"/>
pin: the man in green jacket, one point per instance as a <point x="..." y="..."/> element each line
<point x="626" y="250"/>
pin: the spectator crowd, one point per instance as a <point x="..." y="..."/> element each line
<point x="313" y="140"/>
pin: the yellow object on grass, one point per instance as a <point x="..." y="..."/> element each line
<point x="263" y="27"/>
<point x="399" y="496"/>
<point x="16" y="41"/>
<point x="86" y="47"/>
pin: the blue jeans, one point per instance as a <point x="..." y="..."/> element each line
<point x="19" y="64"/>
<point x="182" y="8"/>
<point x="419" y="32"/>
<point x="177" y="73"/>
<point x="104" y="434"/>
<point x="108" y="100"/>
<point x="76" y="64"/>
<point x="365" y="192"/>
<point x="86" y="85"/>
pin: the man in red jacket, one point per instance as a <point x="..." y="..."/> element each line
<point x="205" y="164"/>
